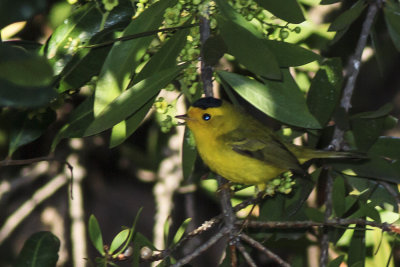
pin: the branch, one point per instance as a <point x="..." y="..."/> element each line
<point x="353" y="69"/>
<point x="246" y="255"/>
<point x="324" y="257"/>
<point x="224" y="231"/>
<point x="255" y="244"/>
<point x="336" y="222"/>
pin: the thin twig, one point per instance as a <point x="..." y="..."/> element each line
<point x="137" y="35"/>
<point x="223" y="232"/>
<point x="257" y="245"/>
<point x="352" y="71"/>
<point x="246" y="255"/>
<point x="324" y="257"/>
<point x="336" y="222"/>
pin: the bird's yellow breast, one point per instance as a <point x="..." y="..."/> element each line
<point x="231" y="165"/>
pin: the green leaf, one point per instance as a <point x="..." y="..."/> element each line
<point x="339" y="196"/>
<point x="213" y="49"/>
<point x="16" y="96"/>
<point x="314" y="215"/>
<point x="291" y="55"/>
<point x="382" y="111"/>
<point x="165" y="58"/>
<point x="82" y="27"/>
<point x="336" y="262"/>
<point x="124" y="56"/>
<point x="189" y="154"/>
<point x="357" y="250"/>
<point x="118" y="240"/>
<point x="131" y="100"/>
<point x="78" y="122"/>
<point x="282" y="100"/>
<point x="23" y="68"/>
<point x="325" y="90"/>
<point x="131" y="232"/>
<point x="346" y="18"/>
<point x="181" y="230"/>
<point x="40" y="249"/>
<point x="123" y="130"/>
<point x="375" y="168"/>
<point x="367" y="131"/>
<point x="386" y="146"/>
<point x="25" y="130"/>
<point x="13" y="11"/>
<point x="95" y="234"/>
<point x="241" y="36"/>
<point x="288" y="10"/>
<point x="139" y="242"/>
<point x="391" y="11"/>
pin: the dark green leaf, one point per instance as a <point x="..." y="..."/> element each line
<point x="213" y="49"/>
<point x="382" y="111"/>
<point x="16" y="96"/>
<point x="338" y="196"/>
<point x="165" y="58"/>
<point x="375" y="167"/>
<point x="386" y="146"/>
<point x="23" y="68"/>
<point x="314" y="215"/>
<point x="25" y="130"/>
<point x="81" y="26"/>
<point x="140" y="241"/>
<point x="131" y="100"/>
<point x="95" y="234"/>
<point x="124" y="56"/>
<point x="325" y="90"/>
<point x="282" y="100"/>
<point x="348" y="17"/>
<point x="13" y="11"/>
<point x="189" y="154"/>
<point x="288" y="10"/>
<point x="367" y="131"/>
<point x="118" y="240"/>
<point x="241" y="36"/>
<point x="78" y="122"/>
<point x="181" y="230"/>
<point x="336" y="262"/>
<point x="123" y="130"/>
<point x="357" y="250"/>
<point x="392" y="17"/>
<point x="40" y="250"/>
<point x="291" y="55"/>
<point x="328" y="2"/>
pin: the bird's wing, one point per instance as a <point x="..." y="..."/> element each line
<point x="261" y="145"/>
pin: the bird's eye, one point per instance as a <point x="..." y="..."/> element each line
<point x="206" y="116"/>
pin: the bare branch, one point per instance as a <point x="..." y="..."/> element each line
<point x="246" y="255"/>
<point x="324" y="257"/>
<point x="224" y="231"/>
<point x="353" y="69"/>
<point x="255" y="244"/>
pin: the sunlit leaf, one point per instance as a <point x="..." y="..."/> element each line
<point x="282" y="100"/>
<point x="124" y="56"/>
<point x="118" y="240"/>
<point x="132" y="100"/>
<point x="95" y="234"/>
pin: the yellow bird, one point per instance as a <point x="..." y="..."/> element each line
<point x="241" y="149"/>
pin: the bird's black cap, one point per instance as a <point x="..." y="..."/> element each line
<point x="207" y="102"/>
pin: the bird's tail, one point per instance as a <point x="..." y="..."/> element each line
<point x="306" y="154"/>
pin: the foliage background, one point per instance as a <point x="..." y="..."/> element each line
<point x="46" y="79"/>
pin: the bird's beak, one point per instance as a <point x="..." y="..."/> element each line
<point x="182" y="117"/>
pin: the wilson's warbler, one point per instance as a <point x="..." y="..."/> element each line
<point x="238" y="147"/>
